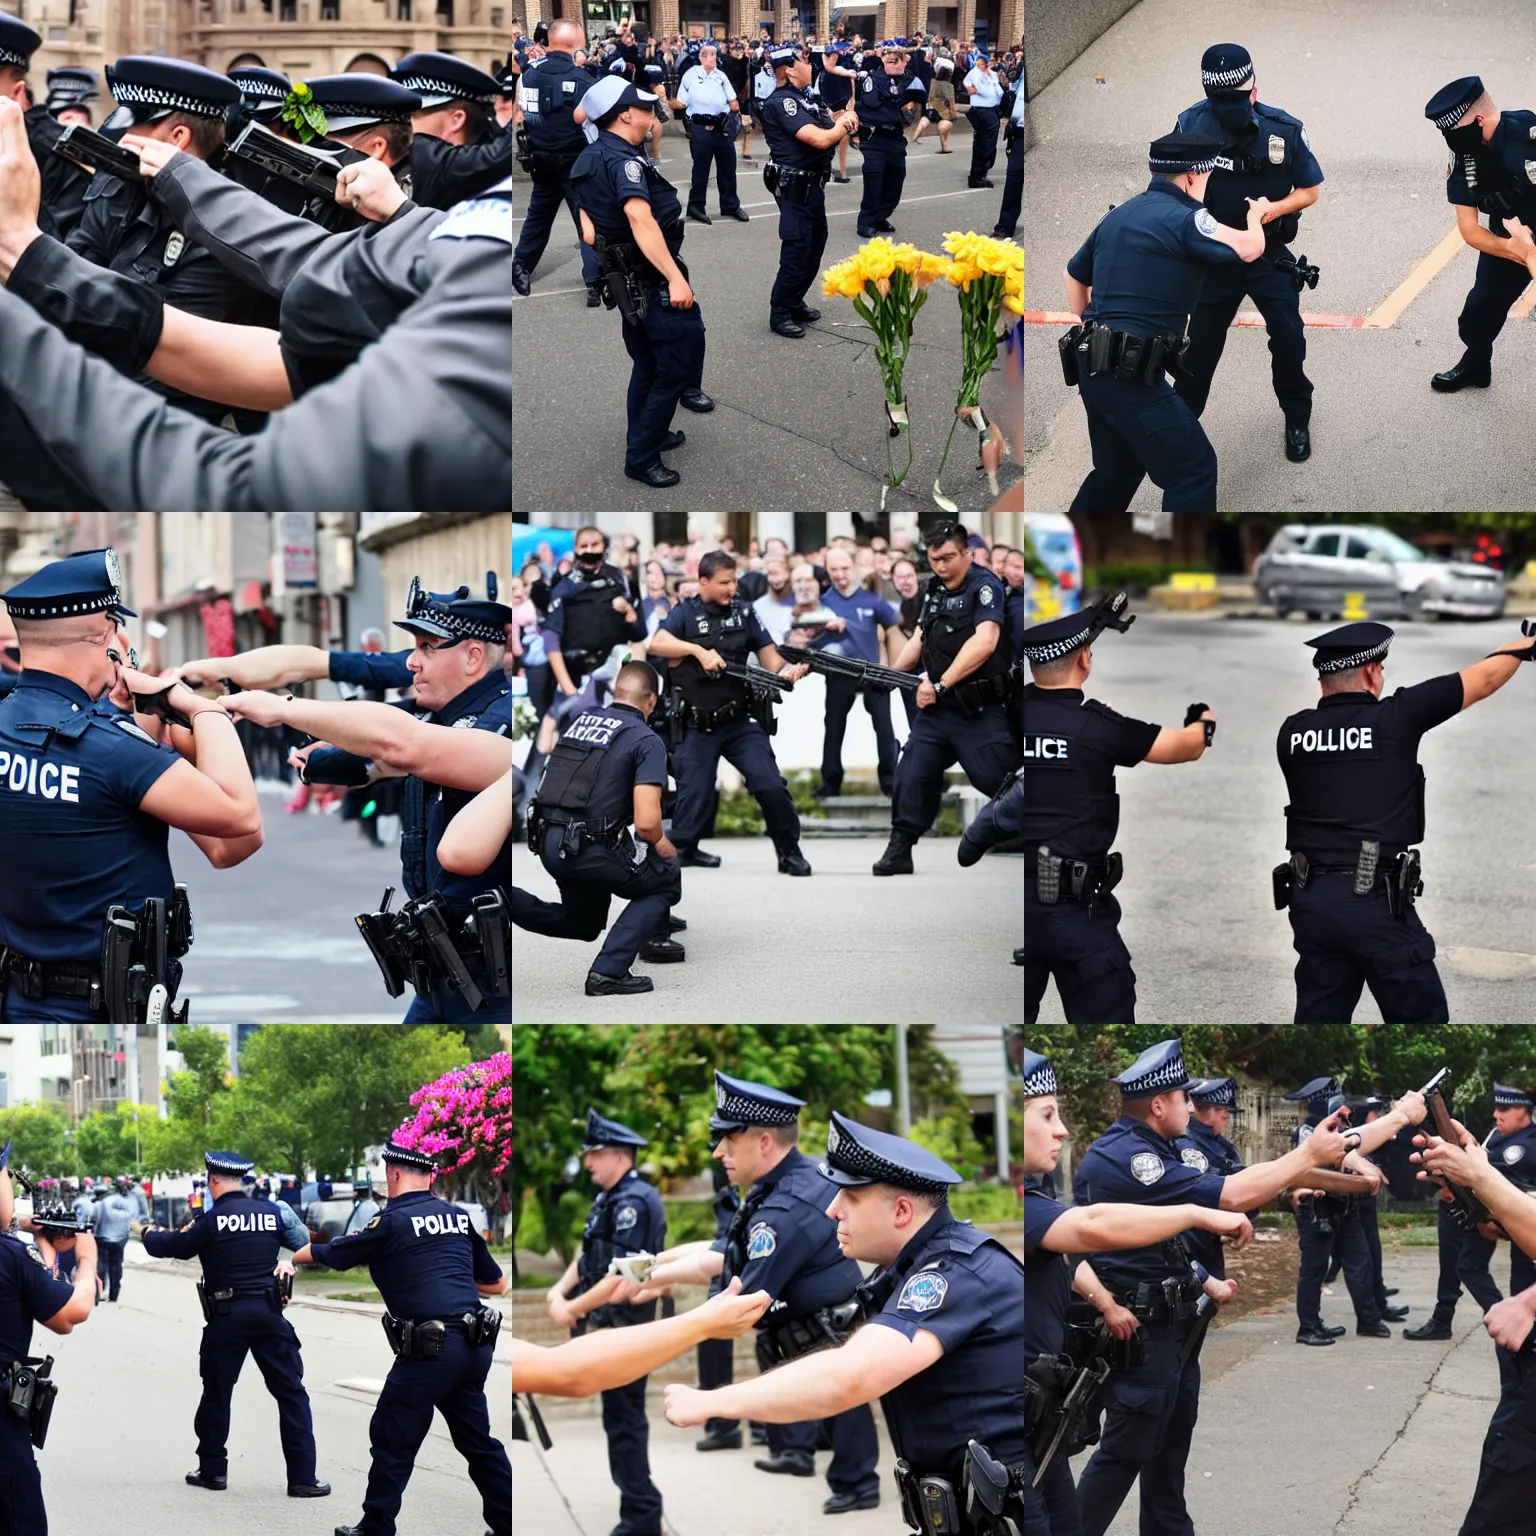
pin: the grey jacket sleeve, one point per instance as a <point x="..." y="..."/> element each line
<point x="260" y="244"/>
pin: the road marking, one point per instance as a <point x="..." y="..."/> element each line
<point x="1391" y="308"/>
<point x="838" y="213"/>
<point x="1247" y="318"/>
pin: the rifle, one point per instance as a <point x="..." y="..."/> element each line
<point x="313" y="169"/>
<point x="1090" y="1378"/>
<point x="754" y="677"/>
<point x="1467" y="1211"/>
<point x="869" y="675"/>
<point x="93" y="152"/>
<point x="1109" y="613"/>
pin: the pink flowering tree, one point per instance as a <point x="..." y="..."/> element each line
<point x="464" y="1119"/>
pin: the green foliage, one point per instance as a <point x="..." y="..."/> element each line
<point x="986" y="1204"/>
<point x="37" y="1133"/>
<point x="118" y="1140"/>
<point x="302" y="114"/>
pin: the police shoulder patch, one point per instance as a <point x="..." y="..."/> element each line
<point x="372" y="1224"/>
<point x="924" y="1292"/>
<point x="1147" y="1167"/>
<point x="1205" y="222"/>
<point x="128" y="728"/>
<point x="1193" y="1157"/>
<point x="790" y="108"/>
<point x="1302" y="1133"/>
<point x="762" y="1240"/>
<point x="625" y="1219"/>
<point x="984" y="597"/>
<point x="1513" y="1152"/>
<point x="1308" y="142"/>
<point x="633" y="170"/>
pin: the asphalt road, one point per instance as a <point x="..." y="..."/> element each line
<point x="797" y="423"/>
<point x="1381" y="438"/>
<point x="274" y="939"/>
<point x="1364" y="1439"/>
<point x="842" y="947"/>
<point x="1200" y="839"/>
<point x="121" y="1437"/>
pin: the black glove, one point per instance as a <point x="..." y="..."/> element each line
<point x="1193" y="713"/>
<point x="1525" y="652"/>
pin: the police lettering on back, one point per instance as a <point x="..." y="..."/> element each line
<point x="1354" y="738"/>
<point x="23" y="775"/>
<point x="441" y="1226"/>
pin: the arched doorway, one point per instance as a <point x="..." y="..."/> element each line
<point x="246" y="61"/>
<point x="367" y="64"/>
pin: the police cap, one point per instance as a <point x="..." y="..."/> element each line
<point x="783" y="53"/>
<point x="362" y="101"/>
<point x="1057" y="637"/>
<point x="1350" y="645"/>
<point x="739" y="1104"/>
<point x="455" y="615"/>
<point x="91" y="582"/>
<point x="264" y="91"/>
<point x="18" y="42"/>
<point x="1039" y="1075"/>
<point x="228" y="1165"/>
<point x="68" y="87"/>
<point x="147" y="89"/>
<point x="602" y="1132"/>
<point x="1505" y="1097"/>
<point x="1159" y="1069"/>
<point x="409" y="1157"/>
<point x="857" y="1155"/>
<point x="441" y="80"/>
<point x="1317" y="1094"/>
<point x="612" y="95"/>
<point x="1225" y="67"/>
<point x="1177" y="153"/>
<point x="1215" y="1093"/>
<point x="1449" y="104"/>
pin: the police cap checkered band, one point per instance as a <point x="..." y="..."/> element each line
<point x="17" y="60"/>
<point x="1174" y="154"/>
<point x="167" y="98"/>
<point x="1505" y="1097"/>
<point x="231" y="1164"/>
<point x="1225" y="67"/>
<point x="1317" y="1092"/>
<point x="754" y="1103"/>
<point x="1351" y="659"/>
<point x="90" y="582"/>
<point x="425" y="85"/>
<point x="18" y="42"/>
<point x="1215" y="1092"/>
<point x="1039" y="1075"/>
<point x="409" y="1157"/>
<point x="865" y="1156"/>
<point x="1057" y="638"/>
<point x="1449" y="105"/>
<point x="1350" y="645"/>
<point x="262" y="85"/>
<point x="1159" y="1069"/>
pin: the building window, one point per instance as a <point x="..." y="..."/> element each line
<point x="288" y="10"/>
<point x="498" y="18"/>
<point x="330" y="10"/>
<point x="404" y="10"/>
<point x="445" y="12"/>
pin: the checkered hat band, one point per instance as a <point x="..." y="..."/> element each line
<point x="264" y="89"/>
<point x="341" y="109"/>
<point x="1226" y="79"/>
<point x="216" y="1165"/>
<point x="1217" y="1097"/>
<point x="1172" y="1071"/>
<point x="1054" y="650"/>
<point x="853" y="1157"/>
<point x="460" y="624"/>
<point x="739" y="1106"/>
<point x="1179" y="167"/>
<point x="1454" y="116"/>
<point x="1040" y="1082"/>
<point x="18" y="60"/>
<point x="1507" y="1100"/>
<point x="1353" y="659"/>
<point x="129" y="95"/>
<point x="411" y="1158"/>
<point x="22" y="608"/>
<point x="424" y="85"/>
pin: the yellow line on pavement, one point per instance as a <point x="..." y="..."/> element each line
<point x="1414" y="284"/>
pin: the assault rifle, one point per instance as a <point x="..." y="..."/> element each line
<point x="305" y="165"/>
<point x="869" y="675"/>
<point x="93" y="152"/>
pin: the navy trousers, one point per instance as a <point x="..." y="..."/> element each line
<point x="983" y="121"/>
<point x="802" y="242"/>
<point x="744" y="745"/>
<point x="1506" y="1478"/>
<point x="667" y="354"/>
<point x="941" y="736"/>
<point x="1013" y="189"/>
<point x="841" y="694"/>
<point x="1139" y="431"/>
<point x="885" y="173"/>
<point x="712" y="148"/>
<point x="544" y="204"/>
<point x="628" y="1433"/>
<point x="1497" y="285"/>
<point x="1086" y="956"/>
<point x="21" y="1488"/>
<point x="1316" y="1249"/>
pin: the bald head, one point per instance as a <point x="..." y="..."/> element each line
<point x="53" y="634"/>
<point x="566" y="36"/>
<point x="635" y="684"/>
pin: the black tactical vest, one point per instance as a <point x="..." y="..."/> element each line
<point x="559" y="85"/>
<point x="591" y="622"/>
<point x="716" y="629"/>
<point x="1070" y="803"/>
<point x="948" y="620"/>
<point x="571" y="775"/>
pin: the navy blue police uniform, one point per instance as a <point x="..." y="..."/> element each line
<point x="717" y="1366"/>
<point x="1151" y="1406"/>
<point x="1370" y="1212"/>
<point x="426" y="1258"/>
<point x="963" y="1287"/>
<point x="1208" y="1151"/>
<point x="1072" y="746"/>
<point x="1050" y="1508"/>
<point x="443" y="174"/>
<point x="797" y="176"/>
<point x="1497" y="178"/>
<point x="782" y="1241"/>
<point x="63" y="183"/>
<point x="967" y="722"/>
<point x="1323" y="1221"/>
<point x="723" y="720"/>
<point x="1013" y="178"/>
<point x="886" y="105"/>
<point x="1270" y="156"/>
<point x="1514" y="1155"/>
<point x="579" y="827"/>
<point x="549" y="93"/>
<point x="625" y="1219"/>
<point x="582" y="623"/>
<point x="1002" y="817"/>
<point x="707" y="96"/>
<point x="72" y="776"/>
<point x="985" y="97"/>
<point x="1356" y="809"/>
<point x="236" y="1238"/>
<point x="835" y="90"/>
<point x="485" y="705"/>
<point x="28" y="1294"/>
<point x="1146" y="262"/>
<point x="665" y="343"/>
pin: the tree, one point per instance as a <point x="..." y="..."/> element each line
<point x="192" y="1097"/>
<point x="39" y="1140"/>
<point x="466" y="1115"/>
<point x="118" y="1140"/>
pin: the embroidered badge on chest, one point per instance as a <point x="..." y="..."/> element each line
<point x="625" y="1219"/>
<point x="924" y="1292"/>
<point x="173" y="248"/>
<point x="984" y="597"/>
<point x="1276" y="149"/>
<point x="1194" y="1158"/>
<point x="790" y="109"/>
<point x="1146" y="1167"/>
<point x="762" y="1240"/>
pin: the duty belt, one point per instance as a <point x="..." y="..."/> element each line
<point x="35" y="979"/>
<point x="581" y="830"/>
<point x="710" y="120"/>
<point x="1398" y="874"/>
<point x="708" y="720"/>
<point x="1082" y="880"/>
<point x="1170" y="1301"/>
<point x="1090" y="349"/>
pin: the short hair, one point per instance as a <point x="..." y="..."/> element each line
<point x="591" y="528"/>
<point x="207" y="133"/>
<point x="947" y="532"/>
<point x="566" y="31"/>
<point x="783" y="1135"/>
<point x="397" y="138"/>
<point x="1352" y="681"/>
<point x="1053" y="673"/>
<point x="477" y="119"/>
<point x="928" y="1199"/>
<point x="715" y="560"/>
<point x="637" y="677"/>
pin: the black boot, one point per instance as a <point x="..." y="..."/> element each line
<point x="1467" y="374"/>
<point x="599" y="985"/>
<point x="1435" y="1328"/>
<point x="201" y="1479"/>
<point x="1315" y="1336"/>
<point x="696" y="858"/>
<point x="796" y="1465"/>
<point x="662" y="952"/>
<point x="715" y="1441"/>
<point x="522" y="279"/>
<point x="897" y="858"/>
<point x="794" y="863"/>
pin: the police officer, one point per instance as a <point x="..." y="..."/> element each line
<point x="29" y="1294"/>
<point x="115" y="1213"/>
<point x="1013" y="179"/>
<point x="1271" y="157"/>
<point x="711" y="107"/>
<point x="835" y="83"/>
<point x="548" y="95"/>
<point x="1001" y="818"/>
<point x="961" y="701"/>
<point x="590" y="612"/>
<point x="263" y="92"/>
<point x="432" y="1268"/>
<point x="1512" y="1150"/>
<point x="716" y="1359"/>
<point x="782" y="1241"/>
<point x="1367" y="1109"/>
<point x="801" y="135"/>
<point x="626" y="1218"/>
<point x="237" y="1239"/>
<point x="633" y="210"/>
<point x="985" y="92"/>
<point x="724" y="716"/>
<point x="1487" y="174"/>
<point x="1324" y="1219"/>
<point x="1051" y="1232"/>
<point x="63" y="183"/>
<point x="69" y="92"/>
<point x="459" y="150"/>
<point x="608" y="768"/>
<point x="458" y="678"/>
<point x="1356" y="809"/>
<point x="886" y="102"/>
<point x="1204" y="1145"/>
<point x="1072" y="746"/>
<point x="1133" y="283"/>
<point x="85" y="802"/>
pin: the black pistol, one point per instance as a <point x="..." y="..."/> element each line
<point x="93" y="152"/>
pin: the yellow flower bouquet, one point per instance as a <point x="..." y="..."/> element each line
<point x="888" y="284"/>
<point x="989" y="274"/>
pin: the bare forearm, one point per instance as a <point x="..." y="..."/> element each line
<point x="1252" y="1187"/>
<point x="1088" y="1285"/>
<point x="812" y="1387"/>
<point x="1514" y="1210"/>
<point x="236" y="365"/>
<point x="1078" y="294"/>
<point x="1102" y="1228"/>
<point x="221" y="758"/>
<point x="653" y="245"/>
<point x="597" y="1297"/>
<point x="1326" y="1181"/>
<point x="610" y="1358"/>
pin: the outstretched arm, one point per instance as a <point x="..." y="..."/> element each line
<point x="1487" y="676"/>
<point x="1103" y="1228"/>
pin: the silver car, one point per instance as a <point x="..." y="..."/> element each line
<point x="1322" y="569"/>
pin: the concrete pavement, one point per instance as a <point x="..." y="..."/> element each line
<point x="1381" y="438"/>
<point x="1200" y="839"/>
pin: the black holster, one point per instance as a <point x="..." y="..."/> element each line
<point x="618" y="266"/>
<point x="1067" y="348"/>
<point x="214" y="1303"/>
<point x="1404" y="887"/>
<point x="1085" y="880"/>
<point x="928" y="1504"/>
<point x="142" y="950"/>
<point x="29" y="1394"/>
<point x="421" y="943"/>
<point x="415" y="1340"/>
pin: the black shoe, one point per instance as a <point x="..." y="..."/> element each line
<point x="745" y="156"/>
<point x="695" y="400"/>
<point x="841" y="1503"/>
<point x="1018" y="955"/>
<point x="795" y="1466"/>
<point x="700" y="218"/>
<point x="676" y="925"/>
<point x="673" y="440"/>
<point x="697" y="858"/>
<point x="522" y="279"/>
<point x="759" y="1435"/>
<point x="599" y="985"/>
<point x="1389" y="1290"/>
<point x="663" y="952"/>
<point x="794" y="863"/>
<point x="202" y="1479"/>
<point x="885" y="227"/>
<point x="739" y="214"/>
<point x="836" y="177"/>
<point x="349" y="1530"/>
<point x="1373" y="1330"/>
<point x="978" y="184"/>
<point x="594" y="296"/>
<point x="1337" y="1330"/>
<point x="1298" y="444"/>
<point x="656" y="475"/>
<point x="805" y="314"/>
<point x="718" y="1442"/>
<point x="309" y="1490"/>
<point x="782" y="325"/>
<point x="1318" y="1337"/>
<point x="897" y="858"/>
<point x="826" y="791"/>
<point x="1001" y="234"/>
<point x="866" y="234"/>
<point x="1433" y="1329"/>
<point x="1467" y="374"/>
<point x="1394" y="1314"/>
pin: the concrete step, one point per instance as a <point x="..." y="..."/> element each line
<point x="844" y="826"/>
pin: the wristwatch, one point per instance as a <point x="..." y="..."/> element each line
<point x="940" y="689"/>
